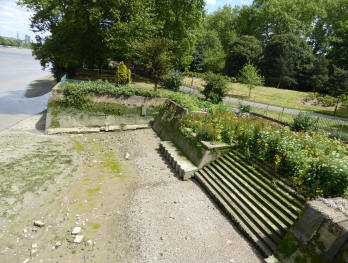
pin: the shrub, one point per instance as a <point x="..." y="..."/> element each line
<point x="303" y="122"/>
<point x="123" y="75"/>
<point x="215" y="88"/>
<point x="173" y="81"/>
<point x="315" y="164"/>
<point x="245" y="108"/>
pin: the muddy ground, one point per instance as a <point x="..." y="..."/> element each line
<point x="129" y="209"/>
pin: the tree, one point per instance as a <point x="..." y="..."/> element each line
<point x="180" y="21"/>
<point x="288" y="62"/>
<point x="222" y="21"/>
<point x="214" y="56"/>
<point x="197" y="63"/>
<point x="123" y="75"/>
<point x="246" y="49"/>
<point x="215" y="88"/>
<point x="338" y="83"/>
<point x="249" y="75"/>
<point x="157" y="57"/>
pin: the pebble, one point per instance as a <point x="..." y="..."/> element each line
<point x="76" y="230"/>
<point x="39" y="223"/>
<point x="58" y="244"/>
<point x="90" y="242"/>
<point x="26" y="261"/>
<point x="34" y="245"/>
<point x="126" y="156"/>
<point x="78" y="239"/>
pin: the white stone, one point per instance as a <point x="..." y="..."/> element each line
<point x="78" y="239"/>
<point x="25" y="230"/>
<point x="76" y="230"/>
<point x="58" y="244"/>
<point x="26" y="261"/>
<point x="33" y="252"/>
<point x="90" y="242"/>
<point x="39" y="223"/>
<point x="34" y="245"/>
<point x="126" y="156"/>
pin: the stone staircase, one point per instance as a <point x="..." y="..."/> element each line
<point x="262" y="207"/>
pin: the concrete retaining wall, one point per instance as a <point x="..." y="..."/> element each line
<point x="320" y="235"/>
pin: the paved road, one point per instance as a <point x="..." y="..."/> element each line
<point x="24" y="86"/>
<point x="265" y="106"/>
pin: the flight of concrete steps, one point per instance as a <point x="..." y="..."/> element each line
<point x="262" y="207"/>
<point x="183" y="166"/>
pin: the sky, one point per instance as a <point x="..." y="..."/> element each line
<point x="15" y="19"/>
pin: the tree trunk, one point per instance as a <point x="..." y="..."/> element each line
<point x="192" y="83"/>
<point x="249" y="91"/>
<point x="338" y="101"/>
<point x="156" y="82"/>
<point x="278" y="84"/>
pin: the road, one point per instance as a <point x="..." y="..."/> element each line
<point x="24" y="86"/>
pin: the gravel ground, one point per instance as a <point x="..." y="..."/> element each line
<point x="134" y="209"/>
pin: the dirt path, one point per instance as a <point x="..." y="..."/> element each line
<point x="132" y="210"/>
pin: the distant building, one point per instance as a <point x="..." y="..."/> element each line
<point x="27" y="39"/>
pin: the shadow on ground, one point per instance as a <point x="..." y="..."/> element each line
<point x="41" y="124"/>
<point x="40" y="87"/>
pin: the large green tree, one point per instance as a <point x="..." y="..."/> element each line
<point x="288" y="62"/>
<point x="243" y="50"/>
<point x="180" y="22"/>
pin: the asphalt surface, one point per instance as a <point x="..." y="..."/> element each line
<point x="24" y="86"/>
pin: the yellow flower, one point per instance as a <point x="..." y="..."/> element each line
<point x="278" y="159"/>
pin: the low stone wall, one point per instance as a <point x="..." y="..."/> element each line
<point x="320" y="235"/>
<point x="199" y="153"/>
<point x="139" y="113"/>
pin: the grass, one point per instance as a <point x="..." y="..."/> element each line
<point x="337" y="129"/>
<point x="273" y="96"/>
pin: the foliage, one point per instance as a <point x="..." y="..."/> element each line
<point x="155" y="54"/>
<point x="5" y="41"/>
<point x="314" y="163"/>
<point x="214" y="55"/>
<point x="244" y="108"/>
<point x="304" y="122"/>
<point x="215" y="88"/>
<point x="288" y="62"/>
<point x="173" y="81"/>
<point x="123" y="74"/>
<point x="249" y="75"/>
<point x="76" y="94"/>
<point x="243" y="50"/>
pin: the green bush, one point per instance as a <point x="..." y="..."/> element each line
<point x="315" y="164"/>
<point x="76" y="94"/>
<point x="173" y="80"/>
<point x="245" y="108"/>
<point x="123" y="75"/>
<point x="304" y="122"/>
<point x="215" y="88"/>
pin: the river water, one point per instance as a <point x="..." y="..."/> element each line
<point x="24" y="86"/>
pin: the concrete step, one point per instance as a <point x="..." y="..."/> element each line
<point x="268" y="178"/>
<point x="269" y="213"/>
<point x="180" y="163"/>
<point x="249" y="209"/>
<point x="242" y="222"/>
<point x="263" y="209"/>
<point x="260" y="185"/>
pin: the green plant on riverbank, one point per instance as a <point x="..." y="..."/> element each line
<point x="76" y="94"/>
<point x="312" y="161"/>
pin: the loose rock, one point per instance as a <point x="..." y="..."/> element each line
<point x="78" y="239"/>
<point x="76" y="230"/>
<point x="39" y="223"/>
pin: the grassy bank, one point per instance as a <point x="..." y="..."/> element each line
<point x="279" y="97"/>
